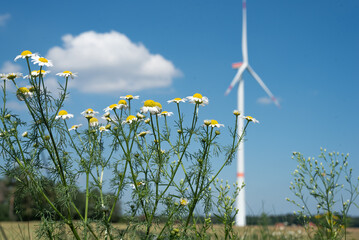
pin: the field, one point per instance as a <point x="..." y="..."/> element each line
<point x="26" y="231"/>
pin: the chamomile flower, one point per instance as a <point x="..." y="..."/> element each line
<point x="214" y="123"/>
<point x="11" y="76"/>
<point x="107" y="117"/>
<point x="67" y="74"/>
<point x="152" y="107"/>
<point x="130" y="97"/>
<point x="41" y="61"/>
<point x="37" y="73"/>
<point x="122" y="104"/>
<point x="111" y="107"/>
<point x="23" y="93"/>
<point x="144" y="133"/>
<point x="89" y="113"/>
<point x="25" y="54"/>
<point x="93" y="122"/>
<point x="184" y="201"/>
<point x="64" y="115"/>
<point x="236" y="112"/>
<point x="24" y="134"/>
<point x="177" y="100"/>
<point x="75" y="127"/>
<point x="138" y="184"/>
<point x="140" y="116"/>
<point x="103" y="129"/>
<point x="165" y="113"/>
<point x="251" y="119"/>
<point x="198" y="99"/>
<point x="130" y="119"/>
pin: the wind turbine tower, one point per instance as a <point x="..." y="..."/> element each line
<point x="240" y="201"/>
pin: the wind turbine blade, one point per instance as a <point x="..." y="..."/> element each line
<point x="266" y="89"/>
<point x="236" y="78"/>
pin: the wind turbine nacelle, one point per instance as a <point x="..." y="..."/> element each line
<point x="236" y="65"/>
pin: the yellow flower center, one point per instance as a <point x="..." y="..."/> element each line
<point x="23" y="90"/>
<point x="112" y="106"/>
<point x="214" y="122"/>
<point x="62" y="113"/>
<point x="89" y="110"/>
<point x="25" y="53"/>
<point x="157" y="104"/>
<point x="67" y="72"/>
<point x="164" y="112"/>
<point x="177" y="99"/>
<point x="197" y="95"/>
<point x="129" y="118"/>
<point x="44" y="60"/>
<point x="129" y="97"/>
<point x="149" y="103"/>
<point x="93" y="120"/>
<point x="41" y="72"/>
<point x="74" y="127"/>
<point x="122" y="102"/>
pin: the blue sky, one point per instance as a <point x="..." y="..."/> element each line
<point x="305" y="51"/>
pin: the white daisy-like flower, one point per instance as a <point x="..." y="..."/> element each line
<point x="251" y="119"/>
<point x="93" y="122"/>
<point x="67" y="74"/>
<point x="64" y="115"/>
<point x="23" y="93"/>
<point x="41" y="61"/>
<point x="111" y="107"/>
<point x="152" y="107"/>
<point x="140" y="116"/>
<point x="139" y="184"/>
<point x="103" y="129"/>
<point x="11" y="76"/>
<point x="212" y="123"/>
<point x="144" y="133"/>
<point x="36" y="73"/>
<point x="147" y="121"/>
<point x="122" y="104"/>
<point x="177" y="100"/>
<point x="165" y="113"/>
<point x="24" y="134"/>
<point x="197" y="98"/>
<point x="184" y="201"/>
<point x="236" y="112"/>
<point x="130" y="119"/>
<point x="107" y="117"/>
<point x="130" y="97"/>
<point x="75" y="127"/>
<point x="89" y="113"/>
<point x="25" y="54"/>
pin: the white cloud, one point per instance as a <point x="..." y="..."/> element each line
<point x="9" y="67"/>
<point x="16" y="105"/>
<point x="4" y="18"/>
<point x="108" y="62"/>
<point x="264" y="100"/>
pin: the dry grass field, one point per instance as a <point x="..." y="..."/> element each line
<point x="26" y="231"/>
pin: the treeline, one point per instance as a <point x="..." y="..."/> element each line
<point x="17" y="203"/>
<point x="288" y="219"/>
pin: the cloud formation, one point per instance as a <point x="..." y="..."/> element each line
<point x="9" y="67"/>
<point x="111" y="62"/>
<point x="4" y="18"/>
<point x="264" y="100"/>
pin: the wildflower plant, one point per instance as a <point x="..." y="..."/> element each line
<point x="145" y="157"/>
<point x="328" y="183"/>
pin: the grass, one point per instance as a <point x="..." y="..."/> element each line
<point x="27" y="231"/>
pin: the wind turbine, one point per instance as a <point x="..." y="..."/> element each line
<point x="240" y="201"/>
